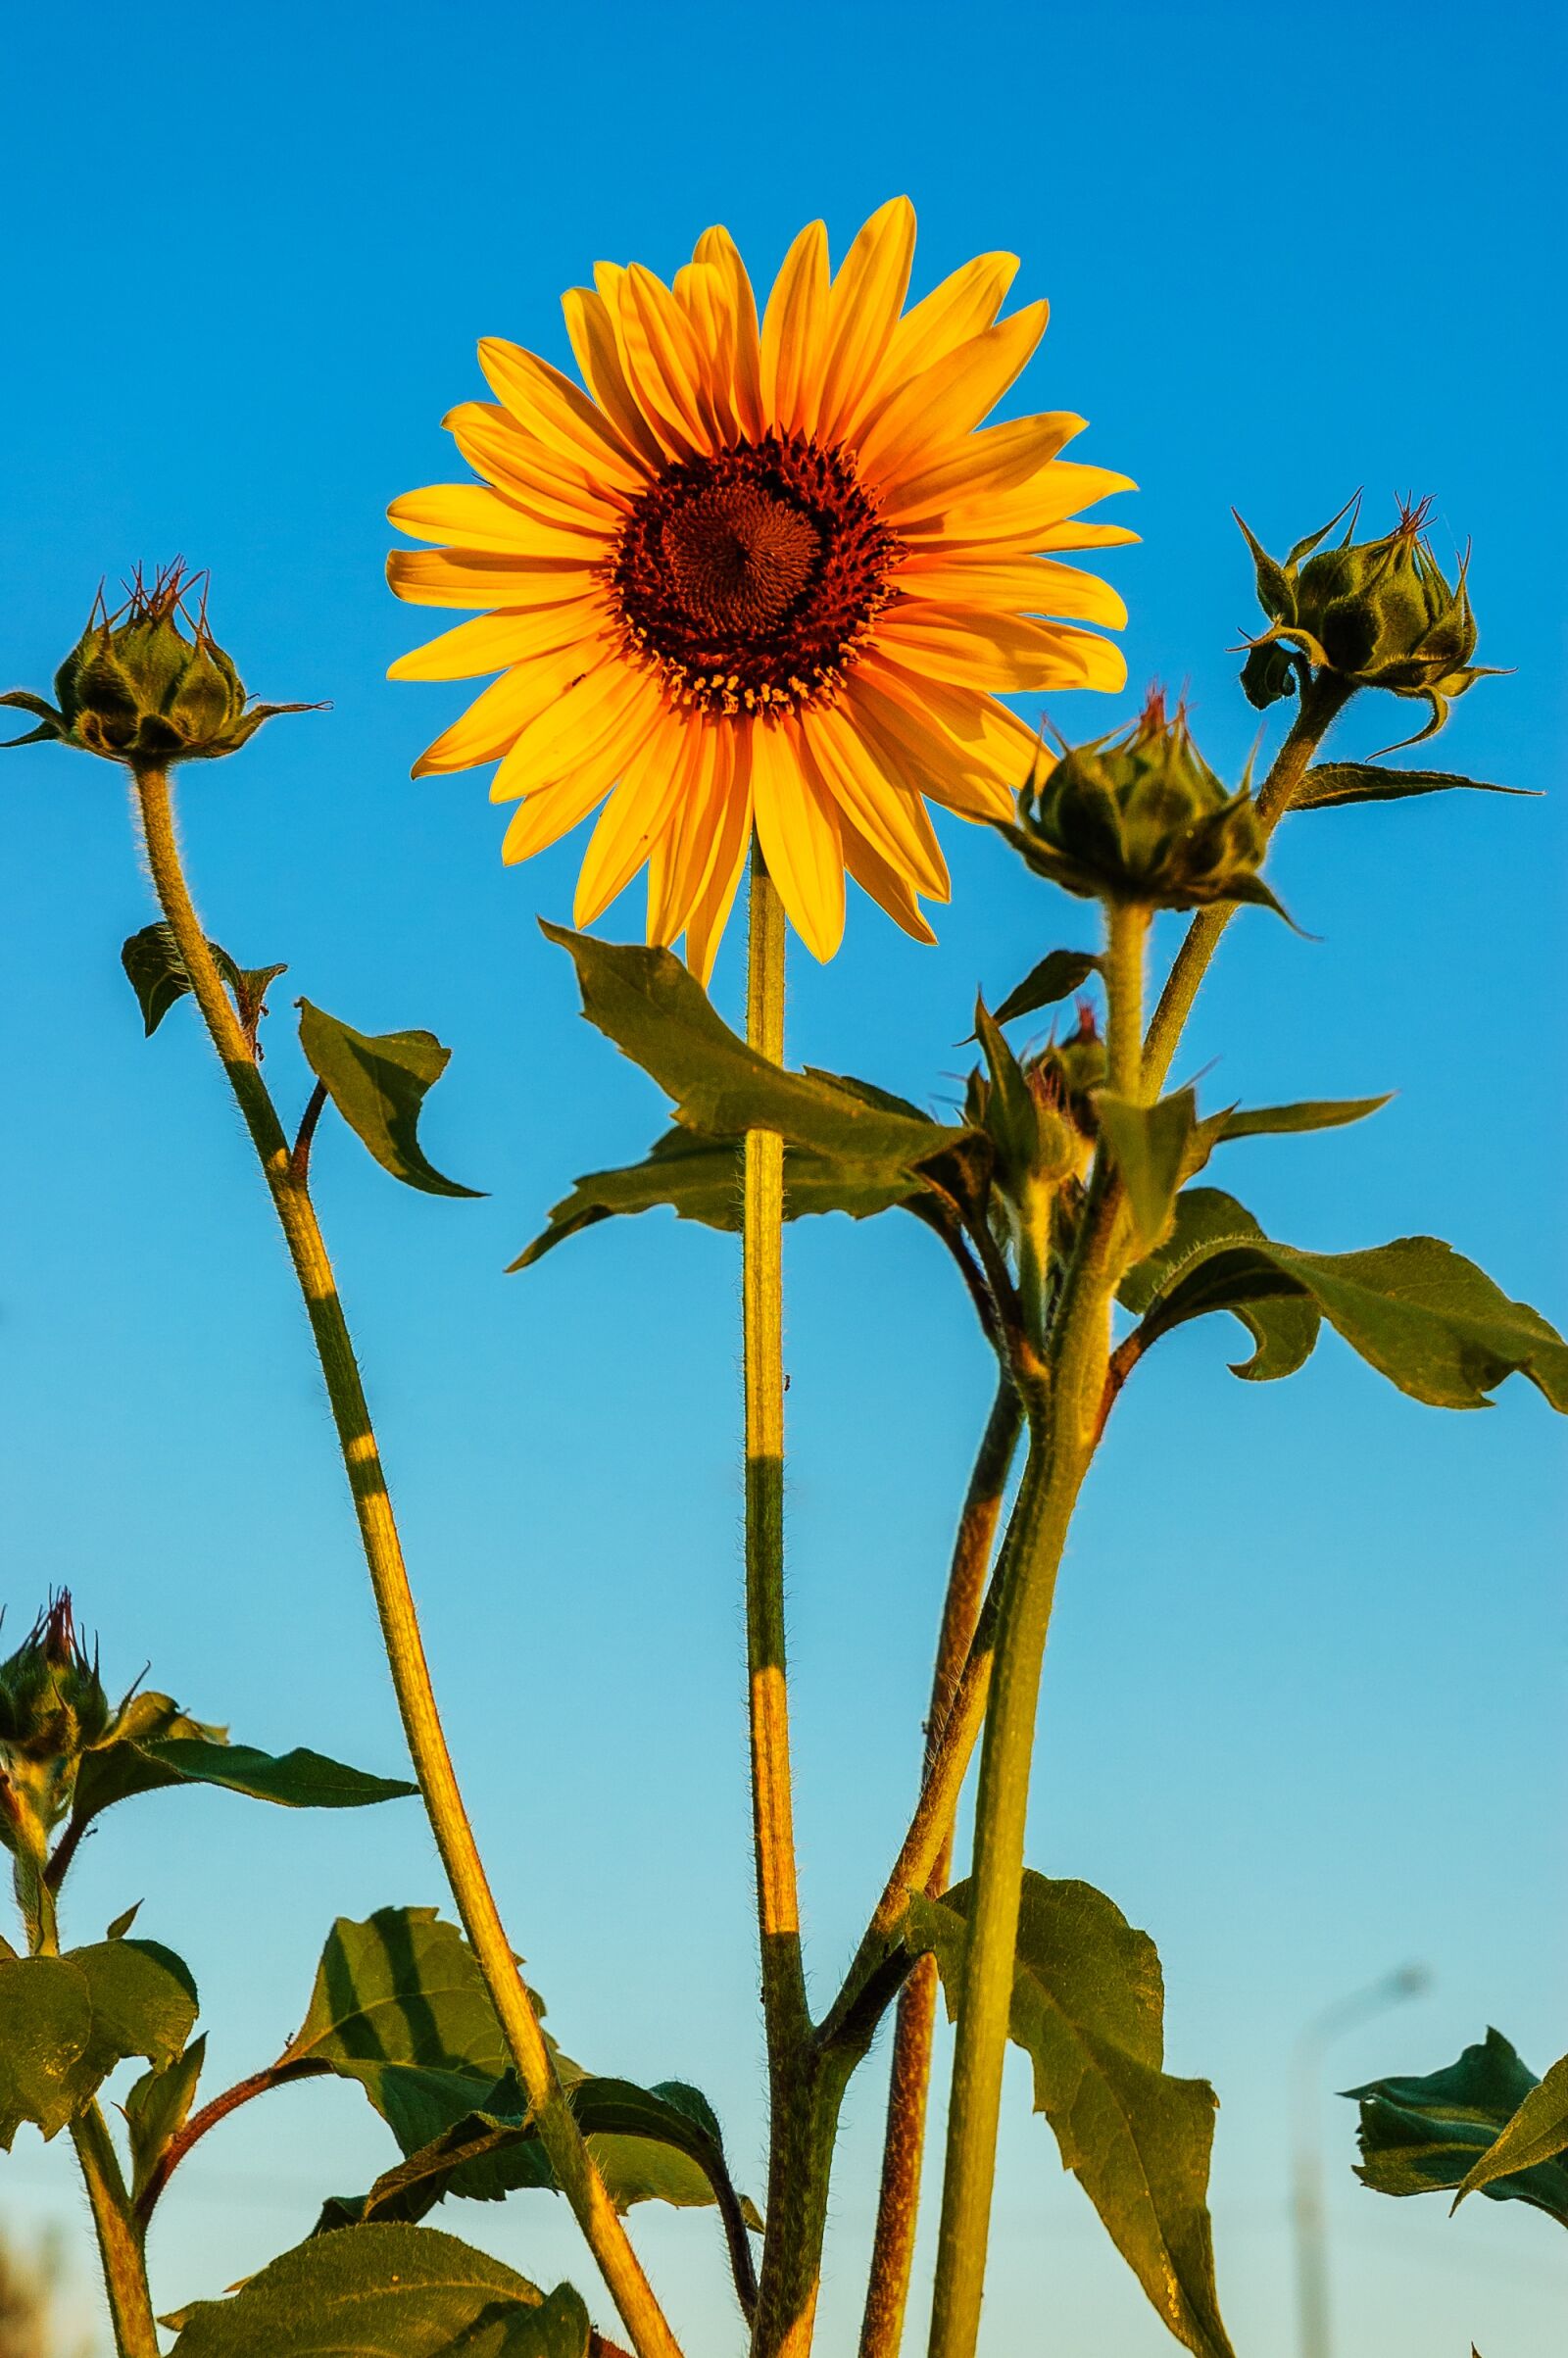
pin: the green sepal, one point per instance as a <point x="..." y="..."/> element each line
<point x="1334" y="783"/>
<point x="1088" y="2008"/>
<point x="157" y="974"/>
<point x="379" y="1083"/>
<point x="1011" y="1117"/>
<point x="1149" y="1145"/>
<point x="65" y="2022"/>
<point x="1058" y="974"/>
<point x="1419" y="2136"/>
<point x="368" y="2290"/>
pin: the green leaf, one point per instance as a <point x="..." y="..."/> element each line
<point x="157" y="2109"/>
<point x="1537" y="2132"/>
<point x="1416" y="1310"/>
<point x="157" y="974"/>
<point x="1335" y="782"/>
<point x="156" y="1744"/>
<point x="400" y="1988"/>
<point x="1208" y="1264"/>
<point x="1150" y="1144"/>
<point x="656" y="1011"/>
<point x="1088" y="2007"/>
<point x="1058" y="974"/>
<point x="1420" y="2135"/>
<point x="368" y="2292"/>
<point x="65" y="2022"/>
<point x="1011" y="1117"/>
<point x="378" y="1085"/>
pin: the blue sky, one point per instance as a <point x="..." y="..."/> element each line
<point x="1302" y="1705"/>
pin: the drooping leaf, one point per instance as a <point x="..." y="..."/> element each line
<point x="1088" y="2007"/>
<point x="1537" y="2132"/>
<point x="1335" y="782"/>
<point x="1150" y="1144"/>
<point x="402" y="1987"/>
<point x="1270" y="1122"/>
<point x="157" y="974"/>
<point x="1058" y="974"/>
<point x="656" y="1011"/>
<point x="378" y="1084"/>
<point x="1423" y="2133"/>
<point x="65" y="2022"/>
<point x="370" y="2292"/>
<point x="157" y="2109"/>
<point x="1416" y="1310"/>
<point x="1208" y="1264"/>
<point x="156" y="1744"/>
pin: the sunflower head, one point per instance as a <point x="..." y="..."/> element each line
<point x="761" y="578"/>
<point x="53" y="1708"/>
<point x="138" y="689"/>
<point x="1380" y="614"/>
<point x="1140" y="818"/>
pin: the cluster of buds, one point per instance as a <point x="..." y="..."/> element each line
<point x="138" y="689"/>
<point x="1141" y="818"/>
<point x="53" y="1709"/>
<point x="1378" y="614"/>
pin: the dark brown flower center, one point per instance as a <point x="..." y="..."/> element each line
<point x="750" y="578"/>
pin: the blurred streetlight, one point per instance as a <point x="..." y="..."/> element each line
<point x="1307" y="2170"/>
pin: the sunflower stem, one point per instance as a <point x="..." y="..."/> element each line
<point x="575" y="2170"/>
<point x="1126" y="945"/>
<point x="120" y="2246"/>
<point x="909" y="2080"/>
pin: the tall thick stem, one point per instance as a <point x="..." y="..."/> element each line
<point x="562" y="2140"/>
<point x="131" y="2307"/>
<point x="1321" y="704"/>
<point x="787" y="2292"/>
<point x="909" y="2080"/>
<point x="1126" y="946"/>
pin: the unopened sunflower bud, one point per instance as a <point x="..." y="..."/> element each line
<point x="1379" y="613"/>
<point x="53" y="1708"/>
<point x="1142" y="818"/>
<point x="138" y="689"/>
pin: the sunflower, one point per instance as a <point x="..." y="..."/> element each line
<point x="762" y="577"/>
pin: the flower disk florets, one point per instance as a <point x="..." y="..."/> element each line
<point x="136" y="689"/>
<point x="1380" y="614"/>
<point x="1142" y="818"/>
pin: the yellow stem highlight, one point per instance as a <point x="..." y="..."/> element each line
<point x="559" y="2133"/>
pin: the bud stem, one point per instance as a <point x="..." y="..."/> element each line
<point x="1126" y="947"/>
<point x="575" y="2170"/>
<point x="124" y="2266"/>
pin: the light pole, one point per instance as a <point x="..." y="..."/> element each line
<point x="1307" y="2169"/>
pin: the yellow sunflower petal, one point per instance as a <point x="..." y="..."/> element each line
<point x="588" y="708"/>
<point x="479" y="577"/>
<point x="1007" y="654"/>
<point x="793" y="328"/>
<point x="797" y="829"/>
<point x="552" y="406"/>
<point x="890" y="815"/>
<point x="909" y="740"/>
<point x="683" y="856"/>
<point x="652" y="784"/>
<point x="1032" y="585"/>
<point x="549" y="812"/>
<point x="998" y="459"/>
<point x="592" y="334"/>
<point x="1022" y="516"/>
<point x="522" y="470"/>
<point x="661" y="355"/>
<point x="992" y="745"/>
<point x="709" y="912"/>
<point x="474" y="517"/>
<point x="704" y="297"/>
<point x="953" y="395"/>
<point x="494" y="642"/>
<point x="885" y="885"/>
<point x="964" y="305"/>
<point x="717" y="247"/>
<point x="864" y="307"/>
<point x="496" y="718"/>
<point x="1075" y="534"/>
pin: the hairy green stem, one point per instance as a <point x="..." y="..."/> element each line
<point x="1322" y="702"/>
<point x="797" y="2162"/>
<point x="563" y="2143"/>
<point x="908" y="2079"/>
<point x="130" y="2306"/>
<point x="1126" y="945"/>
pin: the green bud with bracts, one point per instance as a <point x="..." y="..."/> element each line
<point x="138" y="689"/>
<point x="1378" y="614"/>
<point x="1038" y="1113"/>
<point x="1141" y="818"/>
<point x="53" y="1708"/>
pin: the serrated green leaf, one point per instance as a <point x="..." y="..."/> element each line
<point x="156" y="972"/>
<point x="1150" y="1144"/>
<point x="1537" y="2132"/>
<point x="1416" y="1310"/>
<point x="370" y="2291"/>
<point x="1088" y="2008"/>
<point x="157" y="2109"/>
<point x="65" y="2022"/>
<point x="1058" y="974"/>
<point x="402" y="1987"/>
<point x="379" y="1083"/>
<point x="1335" y="782"/>
<point x="1207" y="1264"/>
<point x="1421" y="2134"/>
